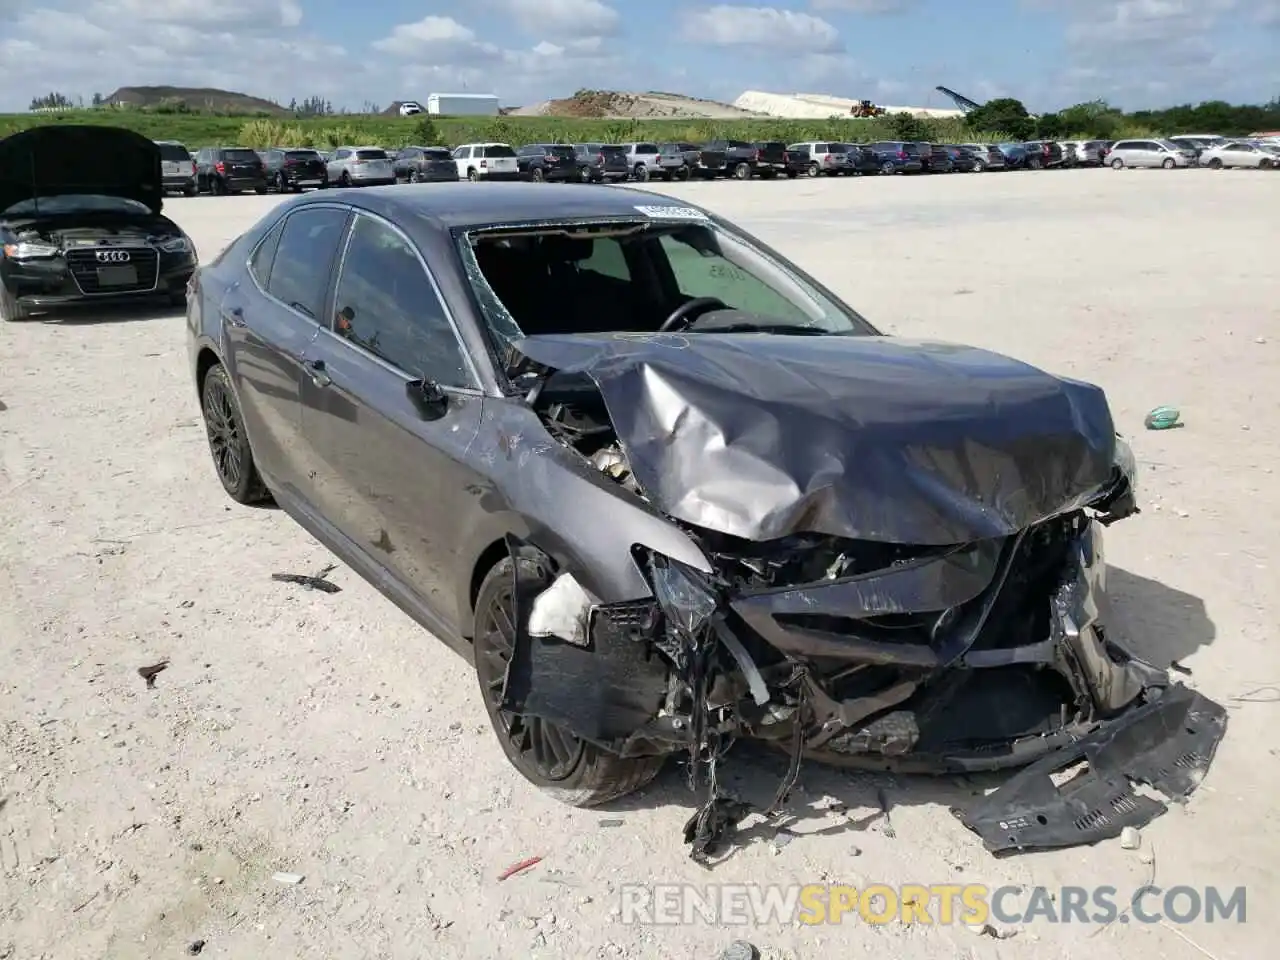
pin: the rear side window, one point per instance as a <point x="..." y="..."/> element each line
<point x="494" y="152"/>
<point x="174" y="152"/>
<point x="565" y="151"/>
<point x="386" y="304"/>
<point x="437" y="154"/>
<point x="260" y="261"/>
<point x="613" y="151"/>
<point x="304" y="259"/>
<point x="371" y="155"/>
<point x="302" y="155"/>
<point x="240" y="155"/>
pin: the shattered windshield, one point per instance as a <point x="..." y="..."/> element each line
<point x="632" y="277"/>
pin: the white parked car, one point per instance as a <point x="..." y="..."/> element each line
<point x="1238" y="153"/>
<point x="486" y="161"/>
<point x="409" y="107"/>
<point x="1150" y="153"/>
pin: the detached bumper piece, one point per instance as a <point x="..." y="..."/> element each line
<point x="1166" y="745"/>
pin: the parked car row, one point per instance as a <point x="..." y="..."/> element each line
<point x="223" y="170"/>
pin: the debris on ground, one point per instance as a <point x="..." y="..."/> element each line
<point x="884" y="808"/>
<point x="987" y="930"/>
<point x="781" y="839"/>
<point x="740" y="950"/>
<point x="194" y="947"/>
<point x="1267" y="694"/>
<point x="1177" y="667"/>
<point x="610" y="822"/>
<point x="520" y="867"/>
<point x="150" y="673"/>
<point x="289" y="878"/>
<point x="316" y="581"/>
<point x="1130" y="838"/>
<point x="1162" y="418"/>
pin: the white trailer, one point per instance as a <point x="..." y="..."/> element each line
<point x="462" y="105"/>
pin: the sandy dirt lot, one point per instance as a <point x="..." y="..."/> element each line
<point x="327" y="736"/>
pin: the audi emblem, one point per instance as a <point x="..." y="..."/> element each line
<point x="113" y="256"/>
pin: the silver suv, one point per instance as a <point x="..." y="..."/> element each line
<point x="643" y="160"/>
<point x="360" y="167"/>
<point x="177" y="167"/>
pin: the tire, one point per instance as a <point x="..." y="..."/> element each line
<point x="583" y="775"/>
<point x="1265" y="164"/>
<point x="792" y="174"/>
<point x="189" y="191"/>
<point x="684" y="173"/>
<point x="216" y="187"/>
<point x="887" y="168"/>
<point x="228" y="443"/>
<point x="10" y="309"/>
<point x="1168" y="163"/>
<point x="536" y="175"/>
<point x="1215" y="163"/>
<point x="584" y="174"/>
<point x="742" y="171"/>
<point x="641" y="173"/>
<point x="280" y="183"/>
<point x="413" y="176"/>
<point x="345" y="179"/>
<point x="1117" y="164"/>
<point x="473" y="175"/>
<point x="812" y="170"/>
<point x="978" y="167"/>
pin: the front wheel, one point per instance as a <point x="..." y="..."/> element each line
<point x="1265" y="164"/>
<point x="228" y="442"/>
<point x="1117" y="164"/>
<point x="10" y="308"/>
<point x="978" y="166"/>
<point x="550" y="757"/>
<point x="1168" y="163"/>
<point x="1215" y="164"/>
<point x="742" y="171"/>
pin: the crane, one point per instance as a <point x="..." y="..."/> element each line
<point x="963" y="102"/>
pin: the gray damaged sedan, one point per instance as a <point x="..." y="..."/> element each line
<point x="667" y="492"/>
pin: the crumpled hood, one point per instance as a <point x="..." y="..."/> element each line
<point x="59" y="159"/>
<point x="873" y="438"/>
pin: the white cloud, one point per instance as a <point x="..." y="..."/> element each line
<point x="765" y="28"/>
<point x="562" y="18"/>
<point x="426" y="36"/>
<point x="100" y="46"/>
<point x="866" y="6"/>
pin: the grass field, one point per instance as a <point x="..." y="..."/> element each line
<point x="199" y="129"/>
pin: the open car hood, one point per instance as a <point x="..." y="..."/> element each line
<point x="866" y="437"/>
<point x="62" y="159"/>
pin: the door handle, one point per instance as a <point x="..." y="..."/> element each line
<point x="234" y="316"/>
<point x="319" y="376"/>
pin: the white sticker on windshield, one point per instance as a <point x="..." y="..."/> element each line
<point x="666" y="212"/>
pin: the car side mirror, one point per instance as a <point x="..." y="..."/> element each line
<point x="427" y="398"/>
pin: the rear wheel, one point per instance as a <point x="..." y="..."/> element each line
<point x="887" y="168"/>
<point x="189" y="190"/>
<point x="345" y="179"/>
<point x="550" y="757"/>
<point x="641" y="173"/>
<point x="742" y="171"/>
<point x="473" y="175"/>
<point x="228" y="443"/>
<point x="978" y="166"/>
<point x="10" y="308"/>
<point x="812" y="170"/>
<point x="537" y="175"/>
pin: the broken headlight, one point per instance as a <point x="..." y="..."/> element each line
<point x="685" y="595"/>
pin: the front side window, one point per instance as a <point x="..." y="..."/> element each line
<point x="264" y="255"/>
<point x="386" y="304"/>
<point x="304" y="259"/>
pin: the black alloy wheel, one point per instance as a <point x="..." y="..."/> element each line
<point x="228" y="443"/>
<point x="574" y="771"/>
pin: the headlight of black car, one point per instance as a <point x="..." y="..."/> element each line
<point x="177" y="245"/>
<point x="27" y="250"/>
<point x="685" y="595"/>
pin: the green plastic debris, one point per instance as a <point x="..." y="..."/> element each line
<point x="1162" y="418"/>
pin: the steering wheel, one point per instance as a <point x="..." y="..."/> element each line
<point x="686" y="313"/>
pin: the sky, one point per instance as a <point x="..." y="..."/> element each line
<point x="1048" y="53"/>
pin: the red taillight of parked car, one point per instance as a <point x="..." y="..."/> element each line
<point x="193" y="168"/>
<point x="600" y="157"/>
<point x="220" y="167"/>
<point x="484" y="164"/>
<point x="756" y="156"/>
<point x="902" y="154"/>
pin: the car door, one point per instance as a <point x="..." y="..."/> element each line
<point x="461" y="158"/>
<point x="268" y="321"/>
<point x="393" y="477"/>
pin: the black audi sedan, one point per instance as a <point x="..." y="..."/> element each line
<point x="666" y="491"/>
<point x="81" y="222"/>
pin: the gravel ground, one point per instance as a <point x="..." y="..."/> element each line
<point x="327" y="736"/>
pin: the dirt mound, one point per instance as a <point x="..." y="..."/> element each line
<point x="197" y="98"/>
<point x="616" y="105"/>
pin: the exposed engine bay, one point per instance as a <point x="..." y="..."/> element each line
<point x="983" y="654"/>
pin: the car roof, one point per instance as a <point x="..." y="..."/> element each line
<point x="445" y="206"/>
